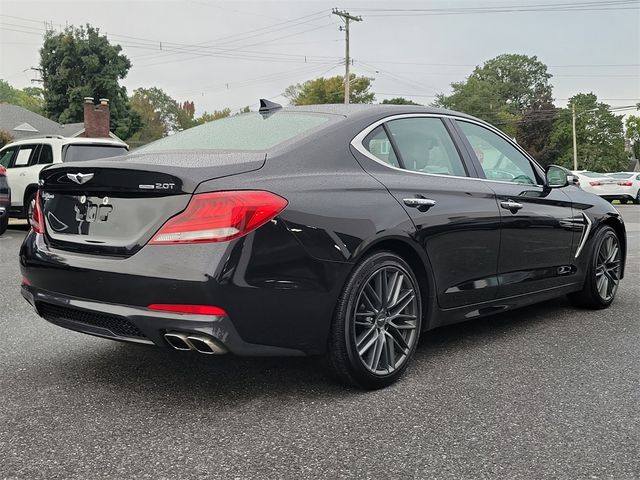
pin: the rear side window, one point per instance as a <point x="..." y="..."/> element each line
<point x="424" y="145"/>
<point x="6" y="156"/>
<point x="378" y="144"/>
<point x="46" y="155"/>
<point x="250" y="131"/>
<point x="80" y="152"/>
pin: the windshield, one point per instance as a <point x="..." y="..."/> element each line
<point x="80" y="152"/>
<point x="250" y="131"/>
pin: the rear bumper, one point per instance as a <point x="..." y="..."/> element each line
<point x="618" y="196"/>
<point x="139" y="325"/>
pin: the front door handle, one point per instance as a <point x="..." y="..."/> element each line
<point x="419" y="202"/>
<point x="510" y="205"/>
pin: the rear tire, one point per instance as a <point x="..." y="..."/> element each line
<point x="4" y="224"/>
<point x="637" y="200"/>
<point x="27" y="208"/>
<point x="377" y="322"/>
<point x="603" y="274"/>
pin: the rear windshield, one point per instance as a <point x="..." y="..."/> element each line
<point x="249" y="131"/>
<point x="592" y="174"/>
<point x="80" y="152"/>
<point x="621" y="175"/>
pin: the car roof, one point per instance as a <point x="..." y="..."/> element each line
<point x="360" y="109"/>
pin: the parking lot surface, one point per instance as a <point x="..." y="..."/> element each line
<point x="545" y="392"/>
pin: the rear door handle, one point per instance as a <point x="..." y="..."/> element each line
<point x="511" y="205"/>
<point x="419" y="202"/>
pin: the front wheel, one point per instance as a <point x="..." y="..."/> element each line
<point x="377" y="322"/>
<point x="603" y="274"/>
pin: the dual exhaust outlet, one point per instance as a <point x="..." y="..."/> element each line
<point x="199" y="343"/>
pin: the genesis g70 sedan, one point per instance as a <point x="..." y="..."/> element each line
<point x="344" y="231"/>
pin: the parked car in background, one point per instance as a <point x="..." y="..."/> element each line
<point x="599" y="184"/>
<point x="5" y="200"/>
<point x="629" y="185"/>
<point x="23" y="160"/>
<point x="330" y="229"/>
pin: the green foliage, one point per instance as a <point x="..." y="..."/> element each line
<point x="330" y="90"/>
<point x="78" y="63"/>
<point x="501" y="90"/>
<point x="210" y="117"/>
<point x="599" y="135"/>
<point x="30" y="98"/>
<point x="534" y="131"/>
<point x="5" y="137"/>
<point x="632" y="134"/>
<point x="398" y="101"/>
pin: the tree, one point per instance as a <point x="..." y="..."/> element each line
<point x="632" y="134"/>
<point x="501" y="90"/>
<point x="330" y="90"/>
<point x="398" y="101"/>
<point x="29" y="97"/>
<point x="534" y="131"/>
<point x="210" y="117"/>
<point x="78" y="63"/>
<point x="599" y="135"/>
<point x="5" y="137"/>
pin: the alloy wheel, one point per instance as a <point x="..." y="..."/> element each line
<point x="386" y="320"/>
<point x="608" y="268"/>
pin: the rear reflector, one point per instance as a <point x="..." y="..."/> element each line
<point x="595" y="184"/>
<point x="37" y="221"/>
<point x="220" y="216"/>
<point x="192" y="309"/>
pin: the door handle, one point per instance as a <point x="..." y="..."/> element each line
<point x="510" y="205"/>
<point x="419" y="202"/>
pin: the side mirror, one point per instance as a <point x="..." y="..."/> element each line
<point x="558" y="177"/>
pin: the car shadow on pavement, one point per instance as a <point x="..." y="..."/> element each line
<point x="155" y="371"/>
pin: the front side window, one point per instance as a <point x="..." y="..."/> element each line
<point x="26" y="156"/>
<point x="6" y="156"/>
<point x="379" y="145"/>
<point x="499" y="159"/>
<point x="425" y="146"/>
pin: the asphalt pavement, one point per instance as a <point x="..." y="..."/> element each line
<point x="544" y="392"/>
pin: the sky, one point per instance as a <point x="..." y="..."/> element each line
<point x="230" y="54"/>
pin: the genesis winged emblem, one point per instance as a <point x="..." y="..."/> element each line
<point x="80" y="178"/>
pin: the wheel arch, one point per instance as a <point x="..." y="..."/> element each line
<point x="418" y="261"/>
<point x="28" y="191"/>
<point x="617" y="225"/>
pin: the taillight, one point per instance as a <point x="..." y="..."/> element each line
<point x="625" y="184"/>
<point x="220" y="216"/>
<point x="595" y="184"/>
<point x="3" y="171"/>
<point x="37" y="220"/>
<point x="193" y="309"/>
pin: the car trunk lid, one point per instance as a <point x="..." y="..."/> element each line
<point x="113" y="207"/>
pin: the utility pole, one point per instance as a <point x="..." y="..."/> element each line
<point x="575" y="143"/>
<point x="346" y="17"/>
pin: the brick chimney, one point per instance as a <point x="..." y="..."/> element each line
<point x="96" y="118"/>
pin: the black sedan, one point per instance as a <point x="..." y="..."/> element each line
<point x="344" y="231"/>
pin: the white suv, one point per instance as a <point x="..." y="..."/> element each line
<point x="24" y="159"/>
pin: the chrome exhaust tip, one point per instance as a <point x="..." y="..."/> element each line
<point x="206" y="345"/>
<point x="178" y="341"/>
